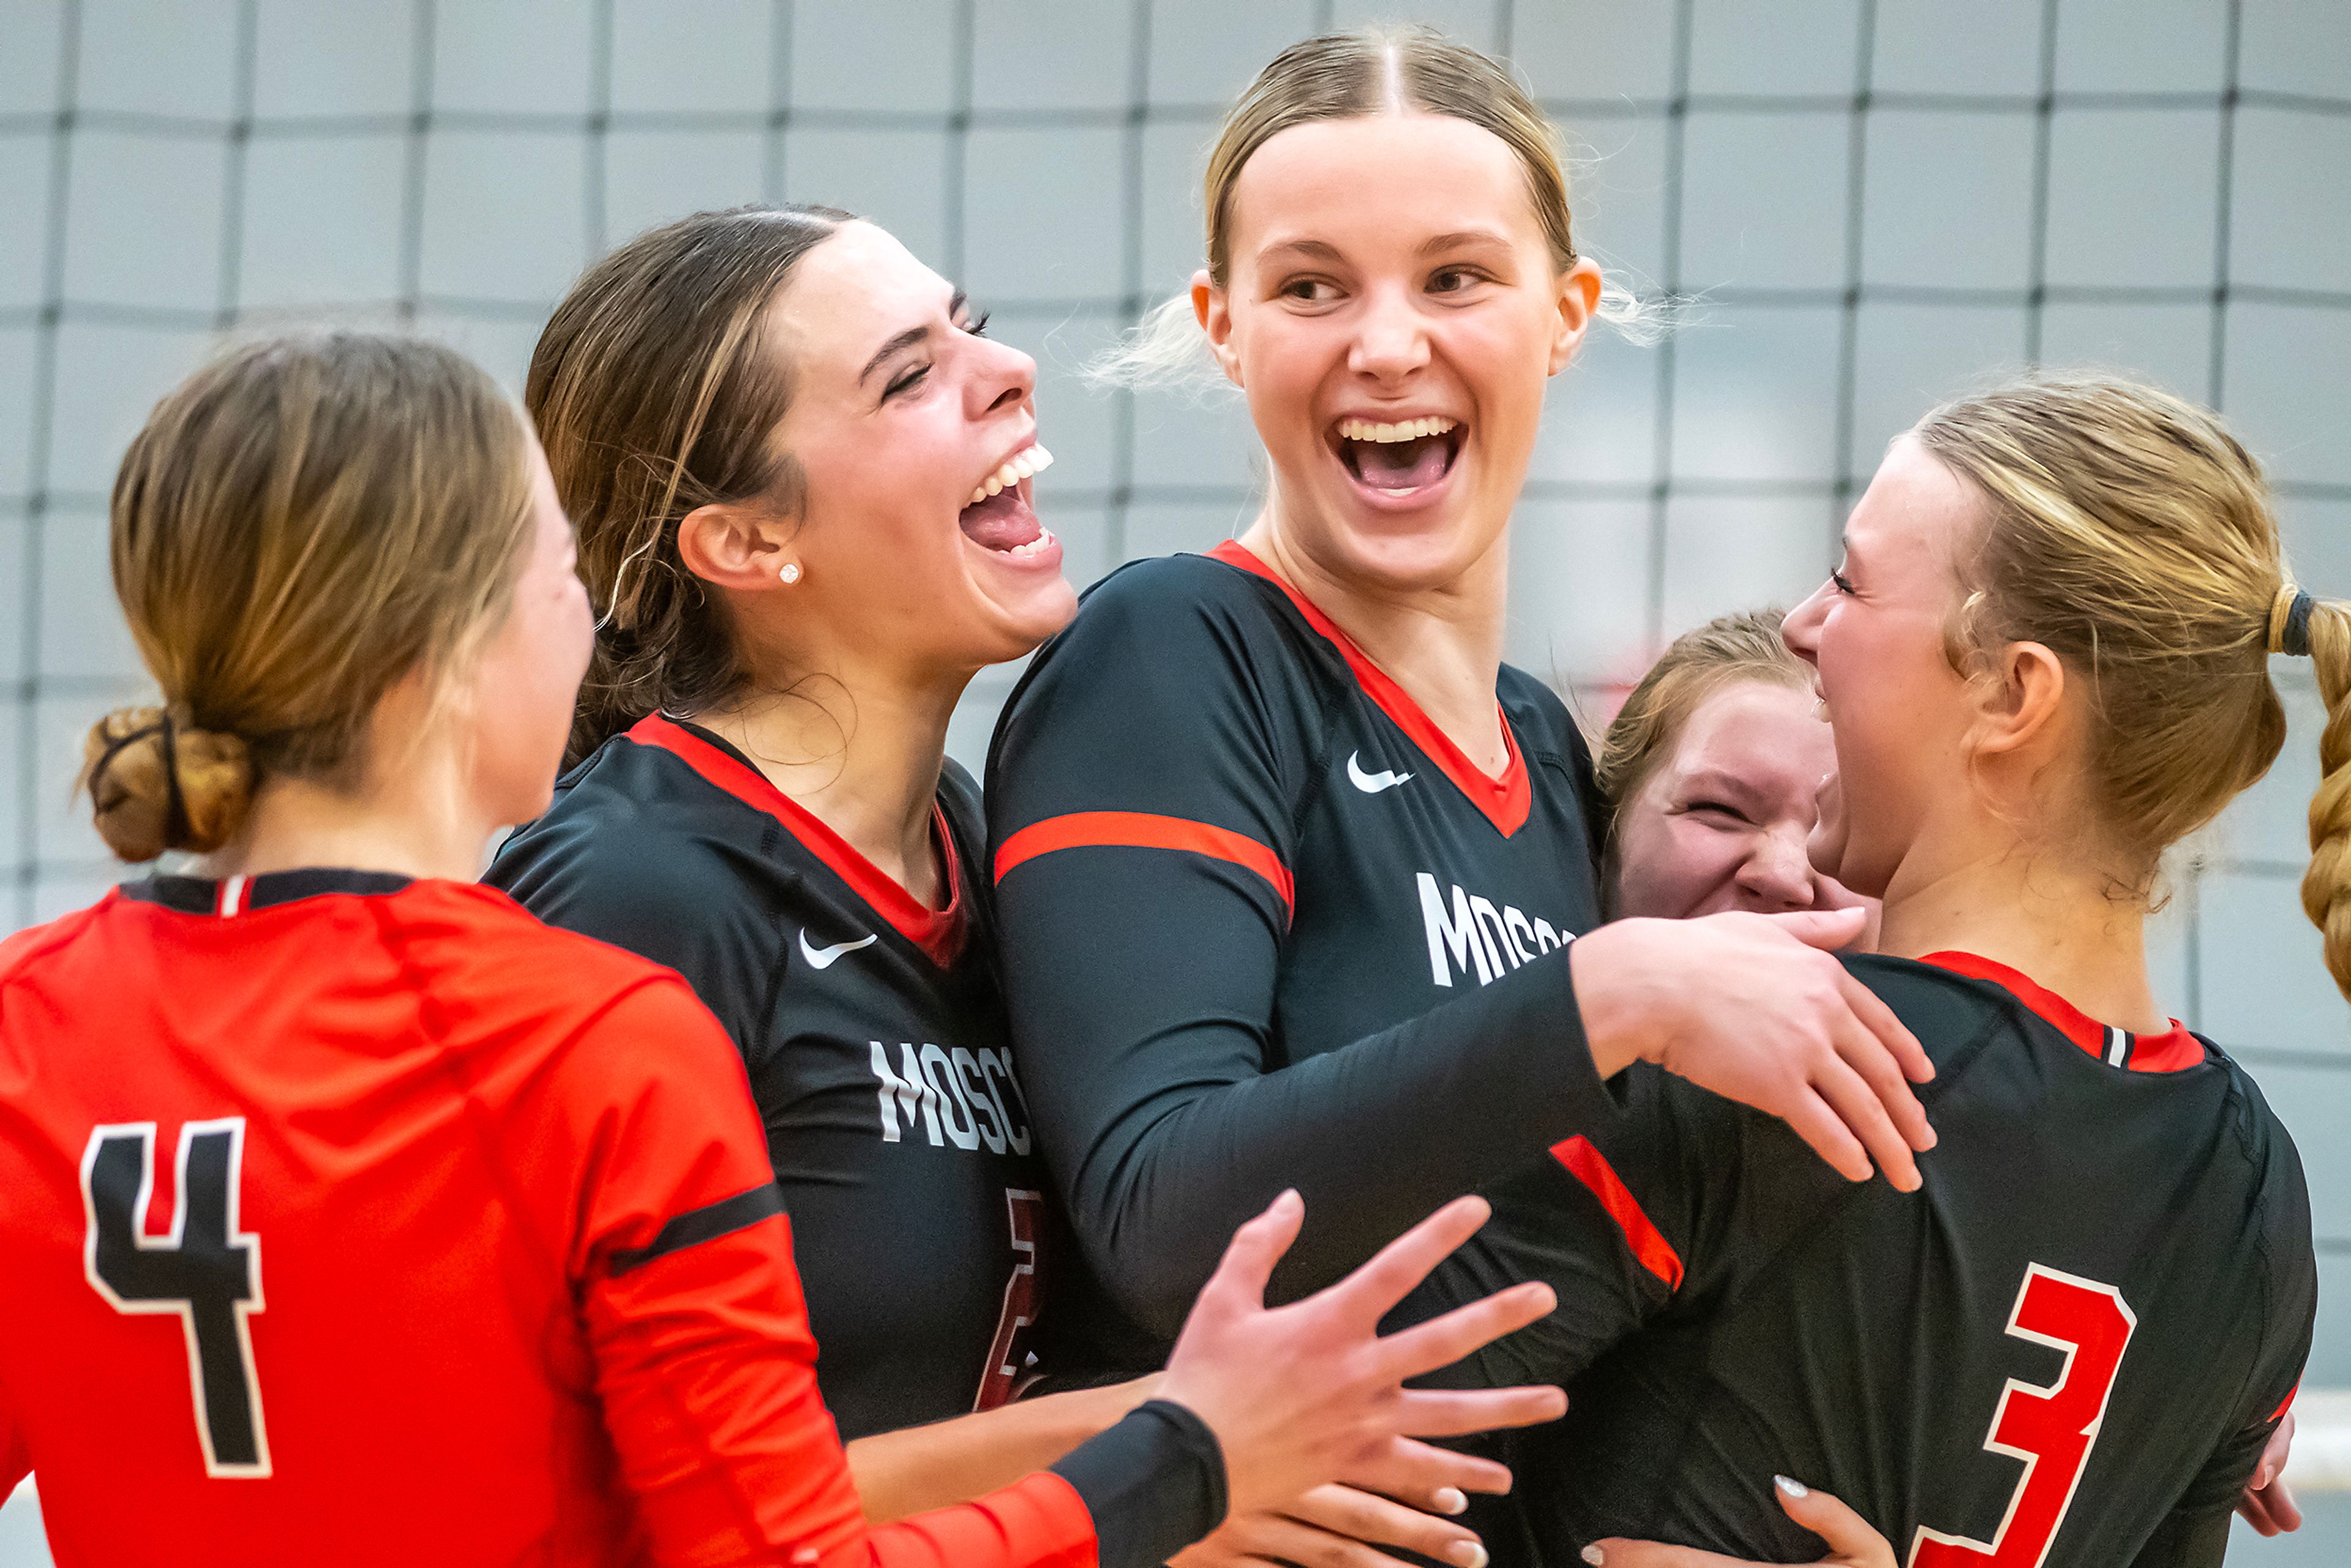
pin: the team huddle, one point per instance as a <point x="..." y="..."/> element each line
<point x="1313" y="1106"/>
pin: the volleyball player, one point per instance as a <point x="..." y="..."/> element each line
<point x="1288" y="863"/>
<point x="1714" y="767"/>
<point x="1712" y="772"/>
<point x="353" y="1215"/>
<point x="799" y="471"/>
<point x="2046" y="659"/>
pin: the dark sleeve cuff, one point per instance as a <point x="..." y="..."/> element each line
<point x="1594" y="1101"/>
<point x="1155" y="1484"/>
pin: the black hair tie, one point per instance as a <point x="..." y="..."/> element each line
<point x="2290" y="622"/>
<point x="175" y="804"/>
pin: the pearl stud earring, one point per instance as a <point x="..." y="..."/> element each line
<point x="790" y="572"/>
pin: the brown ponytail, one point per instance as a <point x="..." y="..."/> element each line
<point x="299" y="525"/>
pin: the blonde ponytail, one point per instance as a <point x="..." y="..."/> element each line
<point x="2327" y="885"/>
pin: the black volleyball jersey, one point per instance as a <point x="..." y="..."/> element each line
<point x="1266" y="927"/>
<point x="873" y="1028"/>
<point x="2069" y="1348"/>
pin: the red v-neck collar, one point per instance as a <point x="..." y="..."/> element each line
<point x="1504" y="801"/>
<point x="2173" y="1051"/>
<point x="939" y="932"/>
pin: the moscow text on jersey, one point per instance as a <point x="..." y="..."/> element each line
<point x="873" y="1028"/>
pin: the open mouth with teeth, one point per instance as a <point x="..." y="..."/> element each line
<point x="999" y="518"/>
<point x="1398" y="459"/>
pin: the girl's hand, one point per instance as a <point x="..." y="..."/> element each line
<point x="1754" y="1007"/>
<point x="1305" y="1394"/>
<point x="1333" y="1526"/>
<point x="1404" y="1497"/>
<point x="2267" y="1503"/>
<point x="1852" y="1544"/>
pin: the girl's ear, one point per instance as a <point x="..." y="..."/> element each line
<point x="1578" y="291"/>
<point x="2017" y="700"/>
<point x="741" y="548"/>
<point x="1213" y="309"/>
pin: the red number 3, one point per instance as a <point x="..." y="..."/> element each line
<point x="1004" y="1359"/>
<point x="2052" y="1429"/>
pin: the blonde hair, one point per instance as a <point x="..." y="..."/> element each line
<point x="2131" y="534"/>
<point x="301" y="524"/>
<point x="655" y="393"/>
<point x="1724" y="652"/>
<point x="1347" y="75"/>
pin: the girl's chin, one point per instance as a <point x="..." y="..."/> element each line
<point x="1020" y="619"/>
<point x="1408" y="550"/>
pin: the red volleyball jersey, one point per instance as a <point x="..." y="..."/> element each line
<point x="370" y="1221"/>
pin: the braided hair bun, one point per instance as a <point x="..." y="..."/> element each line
<point x="157" y="783"/>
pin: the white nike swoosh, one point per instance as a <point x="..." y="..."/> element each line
<point x="1372" y="783"/>
<point x="823" y="957"/>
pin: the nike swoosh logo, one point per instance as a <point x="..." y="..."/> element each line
<point x="824" y="958"/>
<point x="1372" y="783"/>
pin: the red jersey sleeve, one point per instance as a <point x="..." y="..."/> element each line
<point x="16" y="1464"/>
<point x="704" y="1360"/>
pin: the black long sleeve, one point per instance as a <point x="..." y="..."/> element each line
<point x="1145" y="798"/>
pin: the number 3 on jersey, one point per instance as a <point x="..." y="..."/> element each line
<point x="207" y="1271"/>
<point x="2052" y="1429"/>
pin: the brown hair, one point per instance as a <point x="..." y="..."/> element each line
<point x="653" y="397"/>
<point x="2130" y="533"/>
<point x="1725" y="651"/>
<point x="1347" y="75"/>
<point x="300" y="525"/>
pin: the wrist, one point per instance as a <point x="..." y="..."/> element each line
<point x="1615" y="975"/>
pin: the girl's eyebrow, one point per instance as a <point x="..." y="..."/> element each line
<point x="1313" y="249"/>
<point x="909" y="337"/>
<point x="1464" y="239"/>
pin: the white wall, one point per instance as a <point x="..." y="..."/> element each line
<point x="1881" y="199"/>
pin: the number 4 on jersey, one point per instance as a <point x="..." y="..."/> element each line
<point x="206" y="1271"/>
<point x="2052" y="1429"/>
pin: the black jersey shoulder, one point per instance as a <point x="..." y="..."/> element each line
<point x="639" y="851"/>
<point x="1175" y="656"/>
<point x="1203" y="612"/>
<point x="1952" y="1014"/>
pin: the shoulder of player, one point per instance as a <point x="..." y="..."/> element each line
<point x="461" y="932"/>
<point x="1191" y="606"/>
<point x="1949" y="1013"/>
<point x="509" y="976"/>
<point x="57" y="955"/>
<point x="633" y="827"/>
<point x="1540" y="716"/>
<point x="2262" y="1134"/>
<point x="22" y="949"/>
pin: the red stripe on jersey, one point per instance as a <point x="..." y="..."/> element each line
<point x="1142" y="830"/>
<point x="1504" y="800"/>
<point x="1589" y="1166"/>
<point x="2284" y="1405"/>
<point x="939" y="932"/>
<point x="2173" y="1051"/>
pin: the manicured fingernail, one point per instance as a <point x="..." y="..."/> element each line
<point x="1469" y="1553"/>
<point x="1792" y="1487"/>
<point x="1448" y="1499"/>
<point x="1592" y="1555"/>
